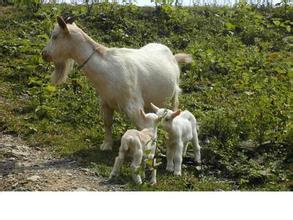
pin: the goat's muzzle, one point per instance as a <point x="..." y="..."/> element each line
<point x="46" y="57"/>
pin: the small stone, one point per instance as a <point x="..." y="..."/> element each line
<point x="19" y="153"/>
<point x="198" y="168"/>
<point x="11" y="158"/>
<point x="68" y="174"/>
<point x="34" y="178"/>
<point x="81" y="189"/>
<point x="86" y="170"/>
<point x="14" y="185"/>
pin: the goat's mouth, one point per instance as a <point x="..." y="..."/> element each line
<point x="46" y="57"/>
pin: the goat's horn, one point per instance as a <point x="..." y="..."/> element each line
<point x="142" y="113"/>
<point x="69" y="19"/>
<point x="155" y="108"/>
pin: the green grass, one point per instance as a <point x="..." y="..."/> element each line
<point x="238" y="87"/>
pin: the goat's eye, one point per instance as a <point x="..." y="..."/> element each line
<point x="54" y="37"/>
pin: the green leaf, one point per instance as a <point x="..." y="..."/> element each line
<point x="276" y="22"/>
<point x="149" y="162"/>
<point x="50" y="88"/>
<point x="147" y="152"/>
<point x="230" y="26"/>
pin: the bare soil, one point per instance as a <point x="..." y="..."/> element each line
<point x="31" y="168"/>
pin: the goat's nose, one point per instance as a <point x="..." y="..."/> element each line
<point x="45" y="55"/>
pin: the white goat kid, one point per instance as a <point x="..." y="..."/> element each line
<point x="141" y="146"/>
<point x="127" y="80"/>
<point x="182" y="129"/>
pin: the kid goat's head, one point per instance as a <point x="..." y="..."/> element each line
<point x="165" y="114"/>
<point x="64" y="38"/>
<point x="150" y="120"/>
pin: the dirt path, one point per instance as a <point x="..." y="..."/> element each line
<point x="27" y="168"/>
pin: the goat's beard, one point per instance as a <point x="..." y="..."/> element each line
<point x="62" y="69"/>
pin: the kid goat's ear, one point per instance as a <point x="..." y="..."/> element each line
<point x="174" y="114"/>
<point x="62" y="24"/>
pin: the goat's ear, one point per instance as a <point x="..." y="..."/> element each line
<point x="62" y="24"/>
<point x="174" y="114"/>
<point x="142" y="113"/>
<point x="155" y="108"/>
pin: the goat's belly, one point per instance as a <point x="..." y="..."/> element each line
<point x="159" y="88"/>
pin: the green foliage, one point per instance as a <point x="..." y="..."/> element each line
<point x="238" y="86"/>
<point x="33" y="5"/>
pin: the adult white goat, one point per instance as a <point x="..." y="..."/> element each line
<point x="141" y="146"/>
<point x="181" y="128"/>
<point x="127" y="80"/>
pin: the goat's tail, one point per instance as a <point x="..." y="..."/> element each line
<point x="183" y="58"/>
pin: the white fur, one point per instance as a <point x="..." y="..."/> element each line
<point x="125" y="79"/>
<point x="182" y="129"/>
<point x="135" y="144"/>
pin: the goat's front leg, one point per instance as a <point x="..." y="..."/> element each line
<point x="170" y="157"/>
<point x="154" y="174"/>
<point x="178" y="159"/>
<point x="143" y="168"/>
<point x="185" y="145"/>
<point x="108" y="122"/>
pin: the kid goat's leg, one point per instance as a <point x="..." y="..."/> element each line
<point x="178" y="159"/>
<point x="154" y="174"/>
<point x="136" y="162"/>
<point x="170" y="157"/>
<point x="108" y="121"/>
<point x="196" y="147"/>
<point x="118" y="163"/>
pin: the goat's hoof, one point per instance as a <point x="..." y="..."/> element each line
<point x="138" y="182"/>
<point x="177" y="173"/>
<point x="106" y="146"/>
<point x="170" y="169"/>
<point x="153" y="182"/>
<point x="197" y="161"/>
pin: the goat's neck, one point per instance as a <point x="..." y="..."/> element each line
<point x="152" y="132"/>
<point x="82" y="53"/>
<point x="94" y="68"/>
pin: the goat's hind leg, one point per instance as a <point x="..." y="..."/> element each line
<point x="108" y="121"/>
<point x="135" y="165"/>
<point x="196" y="147"/>
<point x="175" y="99"/>
<point x="117" y="165"/>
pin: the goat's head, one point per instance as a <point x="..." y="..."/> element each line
<point x="60" y="44"/>
<point x="166" y="115"/>
<point x="65" y="36"/>
<point x="150" y="120"/>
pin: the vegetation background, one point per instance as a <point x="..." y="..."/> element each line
<point x="238" y="86"/>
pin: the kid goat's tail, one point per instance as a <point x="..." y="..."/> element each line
<point x="127" y="143"/>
